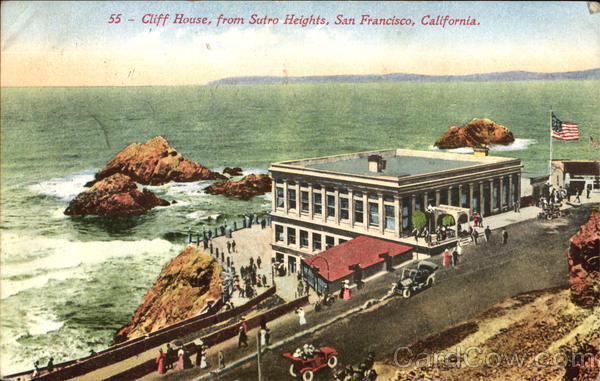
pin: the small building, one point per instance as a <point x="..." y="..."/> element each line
<point x="576" y="175"/>
<point x="354" y="260"/>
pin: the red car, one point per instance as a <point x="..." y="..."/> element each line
<point x="321" y="358"/>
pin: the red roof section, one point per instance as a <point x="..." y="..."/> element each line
<point x="361" y="250"/>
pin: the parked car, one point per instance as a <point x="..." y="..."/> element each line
<point x="321" y="358"/>
<point x="421" y="277"/>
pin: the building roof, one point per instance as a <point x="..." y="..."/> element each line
<point x="365" y="251"/>
<point x="399" y="163"/>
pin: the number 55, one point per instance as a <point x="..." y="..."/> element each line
<point x="114" y="18"/>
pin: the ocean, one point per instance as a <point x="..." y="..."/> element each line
<point x="68" y="283"/>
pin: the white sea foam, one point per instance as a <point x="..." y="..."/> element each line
<point x="60" y="259"/>
<point x="41" y="322"/>
<point x="202" y="215"/>
<point x="178" y="189"/>
<point x="256" y="171"/>
<point x="517" y="145"/>
<point x="64" y="188"/>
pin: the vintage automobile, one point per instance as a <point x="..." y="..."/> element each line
<point x="306" y="368"/>
<point x="416" y="279"/>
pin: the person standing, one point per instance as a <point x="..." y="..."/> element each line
<point x="220" y="359"/>
<point x="50" y="366"/>
<point x="446" y="260"/>
<point x="258" y="262"/>
<point x="488" y="233"/>
<point x="170" y="357"/>
<point x="36" y="370"/>
<point x="345" y="293"/>
<point x="228" y="247"/>
<point x="243" y="334"/>
<point x="180" y="359"/>
<point x="455" y="255"/>
<point x="301" y="317"/>
<point x="504" y="236"/>
<point x="416" y="234"/>
<point x="233" y="245"/>
<point x="160" y="362"/>
<point x="577" y="196"/>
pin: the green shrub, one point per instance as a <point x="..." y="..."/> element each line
<point x="447" y="220"/>
<point x="419" y="220"/>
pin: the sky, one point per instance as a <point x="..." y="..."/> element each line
<point x="72" y="43"/>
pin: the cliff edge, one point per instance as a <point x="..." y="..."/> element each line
<point x="180" y="292"/>
<point x="584" y="263"/>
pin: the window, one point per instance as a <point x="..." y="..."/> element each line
<point x="303" y="238"/>
<point x="304" y="201"/>
<point x="443" y="196"/>
<point x="291" y="183"/>
<point x="291" y="236"/>
<point x="496" y="194"/>
<point x="330" y="206"/>
<point x="329" y="242"/>
<point x="278" y="233"/>
<point x="343" y="191"/>
<point x="344" y="208"/>
<point x="373" y="214"/>
<point x="455" y="195"/>
<point x="418" y="201"/>
<point x="317" y="187"/>
<point x="506" y="191"/>
<point x="317" y="203"/>
<point x="342" y="241"/>
<point x="358" y="211"/>
<point x="279" y="197"/>
<point x="515" y="190"/>
<point x="388" y="198"/>
<point x="373" y="196"/>
<point x="405" y="213"/>
<point x="358" y="194"/>
<point x="316" y="242"/>
<point x="329" y="189"/>
<point x="291" y="198"/>
<point x="464" y="201"/>
<point x="304" y="185"/>
<point x="389" y="217"/>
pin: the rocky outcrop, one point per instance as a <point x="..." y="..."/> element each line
<point x="237" y="171"/>
<point x="114" y="196"/>
<point x="155" y="163"/>
<point x="181" y="291"/>
<point x="584" y="263"/>
<point x="250" y="186"/>
<point x="476" y="133"/>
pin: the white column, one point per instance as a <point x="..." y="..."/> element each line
<point x="365" y="211"/>
<point x="381" y="211"/>
<point x="449" y="195"/>
<point x="397" y="215"/>
<point x="310" y="201"/>
<point x="510" y="192"/>
<point x="337" y="205"/>
<point x="298" y="200"/>
<point x="274" y="198"/>
<point x="351" y="207"/>
<point x="491" y="195"/>
<point x="286" y="204"/>
<point x="482" y="199"/>
<point x="437" y="197"/>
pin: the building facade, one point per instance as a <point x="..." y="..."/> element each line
<point x="321" y="202"/>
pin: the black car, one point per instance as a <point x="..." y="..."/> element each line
<point x="416" y="279"/>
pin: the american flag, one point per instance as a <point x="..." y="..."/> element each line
<point x="564" y="130"/>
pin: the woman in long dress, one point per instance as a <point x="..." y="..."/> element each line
<point x="301" y="318"/>
<point x="180" y="359"/>
<point x="447" y="259"/>
<point x="160" y="362"/>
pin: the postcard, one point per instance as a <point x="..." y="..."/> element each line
<point x="199" y="190"/>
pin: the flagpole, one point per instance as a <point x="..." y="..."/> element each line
<point x="550" y="162"/>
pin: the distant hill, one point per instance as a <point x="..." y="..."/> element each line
<point x="507" y="76"/>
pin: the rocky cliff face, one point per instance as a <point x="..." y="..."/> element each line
<point x="116" y="196"/>
<point x="180" y="292"/>
<point x="250" y="186"/>
<point x="155" y="163"/>
<point x="584" y="263"/>
<point x="476" y="133"/>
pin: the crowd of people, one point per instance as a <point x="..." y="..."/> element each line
<point x="179" y="358"/>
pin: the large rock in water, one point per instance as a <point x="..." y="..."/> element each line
<point x="155" y="163"/>
<point x="180" y="292"/>
<point x="584" y="263"/>
<point x="476" y="133"/>
<point x="114" y="196"/>
<point x="250" y="186"/>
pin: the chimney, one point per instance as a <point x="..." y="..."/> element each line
<point x="376" y="163"/>
<point x="481" y="151"/>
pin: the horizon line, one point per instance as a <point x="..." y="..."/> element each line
<point x="209" y="83"/>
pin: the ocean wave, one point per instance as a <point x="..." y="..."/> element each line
<point x="41" y="322"/>
<point x="518" y="144"/>
<point x="177" y="189"/>
<point x="31" y="262"/>
<point x="200" y="215"/>
<point x="64" y="188"/>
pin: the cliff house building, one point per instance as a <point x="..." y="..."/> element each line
<point x="322" y="202"/>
